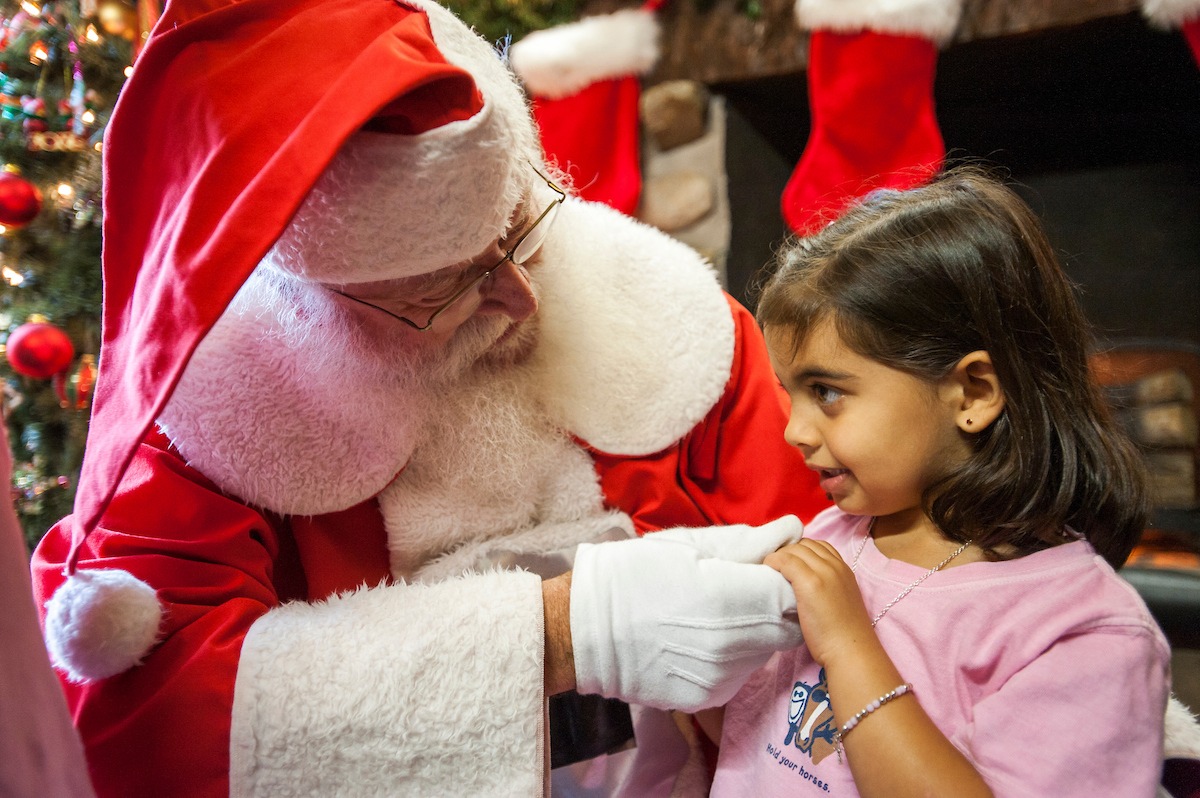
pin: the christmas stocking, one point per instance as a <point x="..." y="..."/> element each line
<point x="1182" y="14"/>
<point x="870" y="89"/>
<point x="584" y="80"/>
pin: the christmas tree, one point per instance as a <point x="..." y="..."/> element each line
<point x="62" y="65"/>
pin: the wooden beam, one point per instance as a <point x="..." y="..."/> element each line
<point x="985" y="19"/>
<point x="723" y="44"/>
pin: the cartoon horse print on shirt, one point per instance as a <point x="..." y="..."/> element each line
<point x="810" y="719"/>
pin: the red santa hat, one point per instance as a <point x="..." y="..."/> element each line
<point x="870" y="90"/>
<point x="584" y="79"/>
<point x="1181" y="14"/>
<point x="211" y="159"/>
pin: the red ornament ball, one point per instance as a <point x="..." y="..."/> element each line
<point x="20" y="200"/>
<point x="38" y="349"/>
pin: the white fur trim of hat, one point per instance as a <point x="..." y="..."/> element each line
<point x="560" y="61"/>
<point x="392" y="206"/>
<point x="933" y="19"/>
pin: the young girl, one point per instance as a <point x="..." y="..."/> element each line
<point x="965" y="633"/>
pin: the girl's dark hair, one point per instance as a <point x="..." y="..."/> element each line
<point x="916" y="280"/>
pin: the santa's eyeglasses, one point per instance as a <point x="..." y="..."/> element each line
<point x="421" y="313"/>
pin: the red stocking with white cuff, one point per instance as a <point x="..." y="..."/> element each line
<point x="585" y="82"/>
<point x="871" y="67"/>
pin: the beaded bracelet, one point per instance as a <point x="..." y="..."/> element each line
<point x="841" y="733"/>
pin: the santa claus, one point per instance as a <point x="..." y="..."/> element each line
<point x="371" y="380"/>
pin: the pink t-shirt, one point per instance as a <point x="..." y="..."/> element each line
<point x="1047" y="672"/>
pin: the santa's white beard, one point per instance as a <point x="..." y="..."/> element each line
<point x="486" y="433"/>
<point x="491" y="477"/>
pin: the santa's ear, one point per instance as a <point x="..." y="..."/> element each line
<point x="975" y="389"/>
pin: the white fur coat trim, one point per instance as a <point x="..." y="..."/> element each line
<point x="637" y="339"/>
<point x="395" y="691"/>
<point x="560" y="61"/>
<point x="934" y="19"/>
<point x="1171" y="13"/>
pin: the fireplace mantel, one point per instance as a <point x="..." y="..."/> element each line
<point x="721" y="44"/>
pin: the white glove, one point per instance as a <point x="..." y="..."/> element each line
<point x="680" y="619"/>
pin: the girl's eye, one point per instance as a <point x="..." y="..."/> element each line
<point x="825" y="395"/>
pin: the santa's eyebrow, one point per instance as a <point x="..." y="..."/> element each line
<point x="451" y="274"/>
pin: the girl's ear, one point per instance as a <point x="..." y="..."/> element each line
<point x="976" y="391"/>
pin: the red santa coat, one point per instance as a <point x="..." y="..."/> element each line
<point x="418" y="689"/>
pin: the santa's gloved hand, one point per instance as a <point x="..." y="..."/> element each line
<point x="679" y="619"/>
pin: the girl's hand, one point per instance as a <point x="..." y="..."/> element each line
<point x="833" y="617"/>
<point x="838" y="633"/>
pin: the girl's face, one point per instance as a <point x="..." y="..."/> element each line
<point x="876" y="436"/>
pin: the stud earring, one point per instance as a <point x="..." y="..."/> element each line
<point x="969" y="422"/>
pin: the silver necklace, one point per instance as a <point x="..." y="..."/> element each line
<point x="911" y="585"/>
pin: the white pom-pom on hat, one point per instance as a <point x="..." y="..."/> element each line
<point x="101" y="622"/>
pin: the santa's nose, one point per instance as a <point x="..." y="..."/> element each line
<point x="509" y="292"/>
